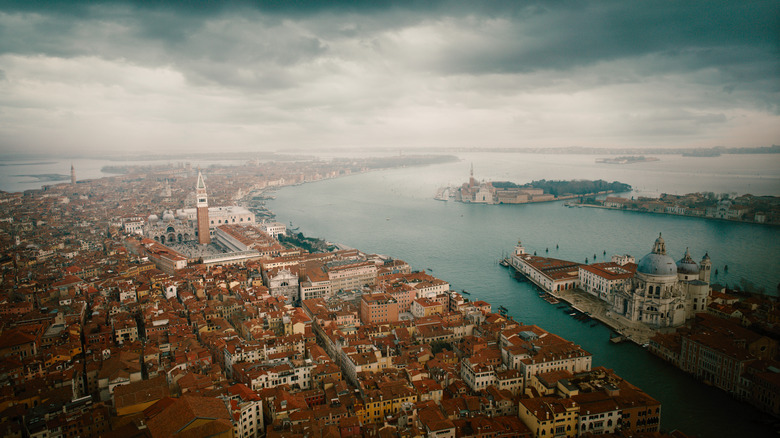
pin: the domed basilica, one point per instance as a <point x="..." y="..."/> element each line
<point x="663" y="293"/>
<point x="195" y="224"/>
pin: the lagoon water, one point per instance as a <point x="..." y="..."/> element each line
<point x="393" y="212"/>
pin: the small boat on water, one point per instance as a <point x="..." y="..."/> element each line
<point x="594" y="324"/>
<point x="616" y="338"/>
<point x="464" y="291"/>
<point x="504" y="263"/>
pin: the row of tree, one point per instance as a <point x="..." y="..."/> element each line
<point x="573" y="187"/>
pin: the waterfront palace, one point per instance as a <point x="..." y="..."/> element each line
<point x="656" y="291"/>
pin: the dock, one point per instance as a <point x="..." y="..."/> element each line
<point x="581" y="301"/>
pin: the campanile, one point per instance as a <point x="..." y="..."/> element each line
<point x="203" y="211"/>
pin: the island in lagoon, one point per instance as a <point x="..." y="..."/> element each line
<point x="506" y="192"/>
<point x="46" y="177"/>
<point x="630" y="159"/>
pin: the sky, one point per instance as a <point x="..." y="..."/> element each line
<point x="164" y="77"/>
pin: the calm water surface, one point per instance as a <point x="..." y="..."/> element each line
<point x="393" y="212"/>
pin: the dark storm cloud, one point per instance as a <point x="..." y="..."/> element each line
<point x="558" y="38"/>
<point x="356" y="71"/>
<point x="529" y="36"/>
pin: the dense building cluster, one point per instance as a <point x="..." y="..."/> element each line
<point x="724" y="339"/>
<point x="732" y="346"/>
<point x="108" y="333"/>
<point x="747" y="208"/>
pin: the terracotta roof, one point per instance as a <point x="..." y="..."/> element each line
<point x="143" y="391"/>
<point x="14" y="338"/>
<point x="434" y="420"/>
<point x="183" y="411"/>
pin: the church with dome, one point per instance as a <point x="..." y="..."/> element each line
<point x="195" y="224"/>
<point x="664" y="293"/>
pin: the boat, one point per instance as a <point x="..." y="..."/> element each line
<point x="594" y="324"/>
<point x="502" y="308"/>
<point x="443" y="194"/>
<point x="616" y="338"/>
<point x="465" y="292"/>
<point x="504" y="262"/>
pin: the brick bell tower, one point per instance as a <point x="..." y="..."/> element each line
<point x="203" y="211"/>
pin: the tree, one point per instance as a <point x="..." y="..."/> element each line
<point x="439" y="346"/>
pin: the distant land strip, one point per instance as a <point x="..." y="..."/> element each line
<point x="46" y="177"/>
<point x="708" y="205"/>
<point x="576" y="150"/>
<point x="33" y="163"/>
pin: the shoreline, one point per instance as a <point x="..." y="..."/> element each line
<point x="661" y="213"/>
<point x="558" y="198"/>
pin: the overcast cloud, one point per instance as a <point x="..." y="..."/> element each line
<point x="268" y="76"/>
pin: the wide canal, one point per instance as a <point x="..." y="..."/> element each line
<point x="393" y="212"/>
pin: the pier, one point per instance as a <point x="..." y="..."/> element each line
<point x="633" y="331"/>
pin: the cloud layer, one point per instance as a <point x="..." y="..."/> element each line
<point x="124" y="76"/>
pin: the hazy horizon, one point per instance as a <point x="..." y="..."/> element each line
<point x="126" y="77"/>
